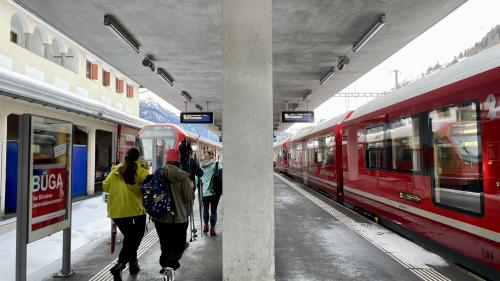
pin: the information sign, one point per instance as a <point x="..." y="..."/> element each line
<point x="297" y="116"/>
<point x="197" y="117"/>
<point x="50" y="192"/>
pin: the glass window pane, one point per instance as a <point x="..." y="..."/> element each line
<point x="403" y="136"/>
<point x="456" y="158"/>
<point x="375" y="148"/>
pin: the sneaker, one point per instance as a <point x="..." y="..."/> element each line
<point x="116" y="271"/>
<point x="212" y="230"/>
<point x="169" y="274"/>
<point x="205" y="228"/>
<point x="134" y="267"/>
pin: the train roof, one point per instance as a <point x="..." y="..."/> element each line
<point x="322" y="126"/>
<point x="280" y="143"/>
<point x="486" y="60"/>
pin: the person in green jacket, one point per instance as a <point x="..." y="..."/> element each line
<point x="126" y="210"/>
<point x="171" y="229"/>
<point x="210" y="198"/>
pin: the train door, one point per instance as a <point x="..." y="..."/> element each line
<point x="305" y="166"/>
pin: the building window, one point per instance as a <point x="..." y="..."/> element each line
<point x="106" y="78"/>
<point x="130" y="91"/>
<point x="119" y="85"/>
<point x="13" y="37"/>
<point x="456" y="160"/>
<point x="92" y="70"/>
<point x="404" y="140"/>
<point x="375" y="148"/>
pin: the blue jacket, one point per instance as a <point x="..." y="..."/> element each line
<point x="208" y="168"/>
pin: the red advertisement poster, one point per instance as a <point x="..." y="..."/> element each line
<point x="48" y="196"/>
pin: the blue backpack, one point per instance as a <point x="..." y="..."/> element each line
<point x="157" y="196"/>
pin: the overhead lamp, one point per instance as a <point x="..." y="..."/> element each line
<point x="148" y="62"/>
<point x="121" y="33"/>
<point x="327" y="76"/>
<point x="343" y="60"/>
<point x="307" y="96"/>
<point x="374" y="28"/>
<point x="186" y="95"/>
<point x="199" y="107"/>
<point x="165" y="76"/>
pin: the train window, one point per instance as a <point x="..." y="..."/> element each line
<point x="403" y="136"/>
<point x="456" y="158"/>
<point x="329" y="150"/>
<point x="375" y="148"/>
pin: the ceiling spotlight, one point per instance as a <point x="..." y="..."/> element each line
<point x="374" y="28"/>
<point x="307" y="96"/>
<point x="165" y="76"/>
<point x="199" y="107"/>
<point x="121" y="33"/>
<point x="186" y="95"/>
<point x="148" y="62"/>
<point x="327" y="77"/>
<point x="343" y="60"/>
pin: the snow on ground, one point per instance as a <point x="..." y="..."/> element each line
<point x="89" y="223"/>
<point x="402" y="248"/>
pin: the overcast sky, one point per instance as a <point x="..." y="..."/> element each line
<point x="452" y="35"/>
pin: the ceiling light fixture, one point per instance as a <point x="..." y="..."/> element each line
<point x="199" y="107"/>
<point x="374" y="28"/>
<point x="307" y="96"/>
<point x="186" y="95"/>
<point x="121" y="33"/>
<point x="343" y="60"/>
<point x="148" y="62"/>
<point x="165" y="76"/>
<point x="327" y="77"/>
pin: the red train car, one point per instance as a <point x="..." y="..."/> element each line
<point x="169" y="136"/>
<point x="280" y="150"/>
<point x="314" y="155"/>
<point x="424" y="159"/>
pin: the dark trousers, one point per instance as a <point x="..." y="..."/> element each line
<point x="210" y="202"/>
<point x="133" y="231"/>
<point x="172" y="242"/>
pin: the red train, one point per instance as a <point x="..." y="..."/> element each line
<point x="169" y="136"/>
<point x="425" y="160"/>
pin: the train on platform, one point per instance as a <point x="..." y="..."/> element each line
<point x="157" y="139"/>
<point x="423" y="160"/>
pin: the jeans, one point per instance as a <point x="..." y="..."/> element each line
<point x="133" y="231"/>
<point x="172" y="242"/>
<point x="210" y="202"/>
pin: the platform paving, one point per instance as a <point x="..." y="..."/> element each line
<point x="312" y="242"/>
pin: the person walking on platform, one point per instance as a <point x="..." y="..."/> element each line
<point x="210" y="198"/>
<point x="171" y="229"/>
<point x="126" y="210"/>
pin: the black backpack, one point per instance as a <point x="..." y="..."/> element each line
<point x="217" y="180"/>
<point x="157" y="196"/>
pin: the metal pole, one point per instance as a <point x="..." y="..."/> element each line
<point x="23" y="187"/>
<point x="66" y="259"/>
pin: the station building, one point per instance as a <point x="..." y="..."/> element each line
<point x="45" y="73"/>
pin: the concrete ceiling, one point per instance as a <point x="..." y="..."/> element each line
<point x="184" y="37"/>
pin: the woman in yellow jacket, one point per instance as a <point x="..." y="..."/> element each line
<point x="126" y="210"/>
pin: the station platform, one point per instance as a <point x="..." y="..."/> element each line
<point x="315" y="239"/>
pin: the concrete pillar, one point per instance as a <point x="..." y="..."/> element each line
<point x="46" y="51"/>
<point x="63" y="58"/>
<point x="91" y="161"/>
<point x="248" y="242"/>
<point x="27" y="40"/>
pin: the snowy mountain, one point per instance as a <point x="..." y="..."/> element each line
<point x="151" y="109"/>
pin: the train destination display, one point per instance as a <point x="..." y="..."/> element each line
<point x="297" y="116"/>
<point x="197" y="117"/>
